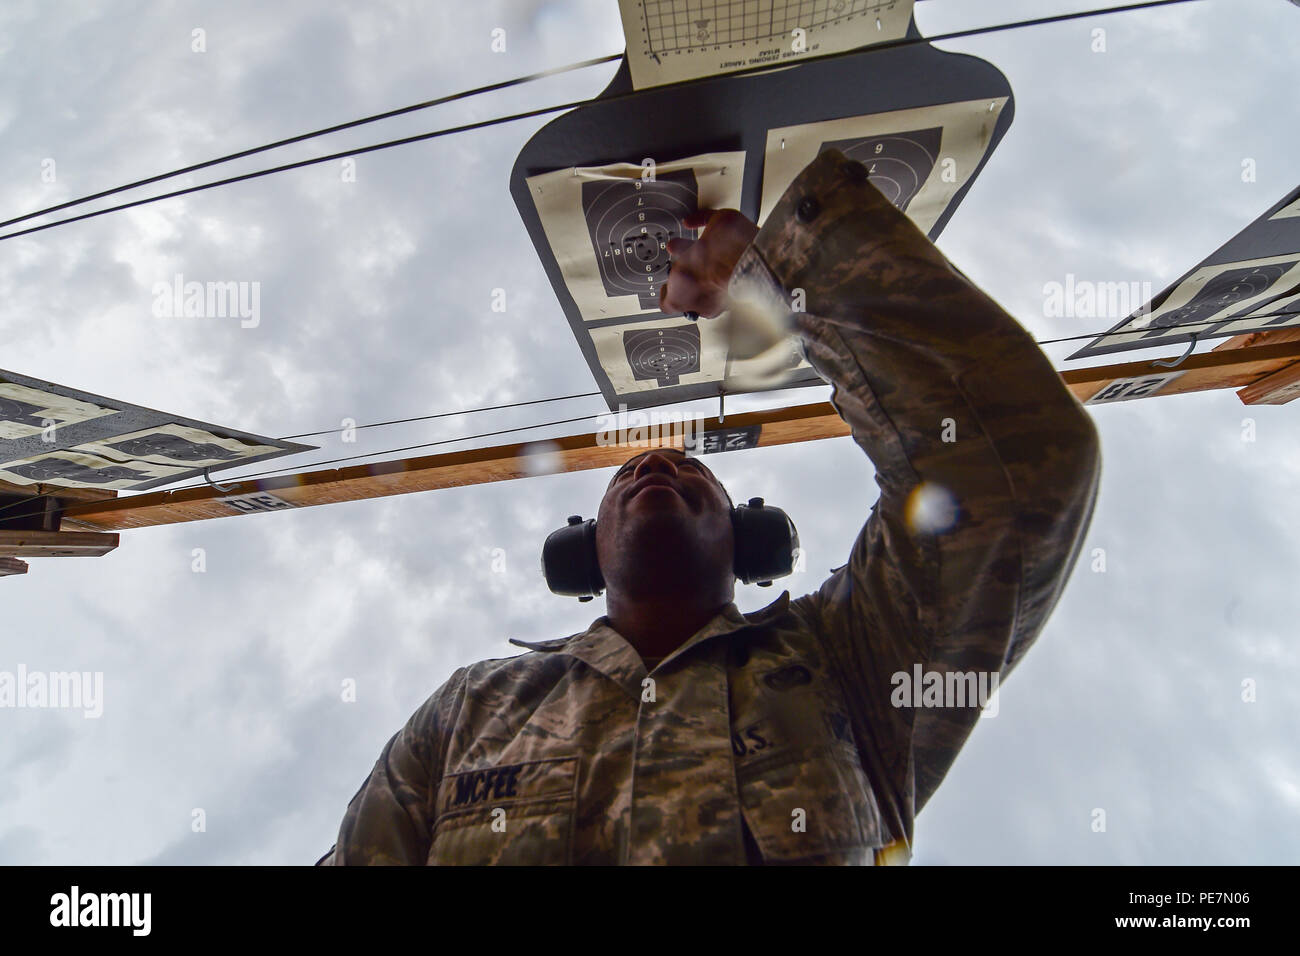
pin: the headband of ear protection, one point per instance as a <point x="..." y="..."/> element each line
<point x="766" y="542"/>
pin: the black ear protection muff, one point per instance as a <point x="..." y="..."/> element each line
<point x="766" y="542"/>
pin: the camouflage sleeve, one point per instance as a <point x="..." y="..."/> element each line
<point x="987" y="466"/>
<point x="390" y="820"/>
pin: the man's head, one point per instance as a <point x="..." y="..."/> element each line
<point x="664" y="527"/>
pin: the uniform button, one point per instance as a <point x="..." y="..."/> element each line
<point x="856" y="171"/>
<point x="808" y="209"/>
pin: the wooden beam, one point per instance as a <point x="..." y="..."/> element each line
<point x="1276" y="389"/>
<point x="1281" y="386"/>
<point x="12" y="566"/>
<point x="55" y="544"/>
<point x="1214" y="369"/>
<point x="1226" y="368"/>
<point x="66" y="494"/>
<point x="1267" y="337"/>
<point x="449" y="470"/>
<point x="39" y="507"/>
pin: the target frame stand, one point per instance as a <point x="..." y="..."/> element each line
<point x="1250" y="366"/>
<point x="730" y="116"/>
<point x="1250" y="284"/>
<point x="37" y="532"/>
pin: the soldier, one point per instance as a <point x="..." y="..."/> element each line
<point x="678" y="730"/>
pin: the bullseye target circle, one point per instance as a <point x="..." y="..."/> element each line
<point x="897" y="164"/>
<point x="630" y="222"/>
<point x="1221" y="292"/>
<point x="663" y="355"/>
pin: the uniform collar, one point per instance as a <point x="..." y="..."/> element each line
<point x="604" y="649"/>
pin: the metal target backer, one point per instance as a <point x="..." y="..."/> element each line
<point x="926" y="120"/>
<point x="1289" y="211"/>
<point x="1250" y="284"/>
<point x="55" y="435"/>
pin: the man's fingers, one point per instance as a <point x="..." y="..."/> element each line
<point x="694" y="264"/>
<point x="698" y="219"/>
<point x="667" y="295"/>
<point x="679" y="293"/>
<point x="664" y="303"/>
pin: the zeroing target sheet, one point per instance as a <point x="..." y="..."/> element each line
<point x="919" y="158"/>
<point x="669" y="41"/>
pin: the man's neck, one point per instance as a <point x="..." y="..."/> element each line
<point x="658" y="626"/>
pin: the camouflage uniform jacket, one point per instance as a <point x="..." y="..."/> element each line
<point x="770" y="736"/>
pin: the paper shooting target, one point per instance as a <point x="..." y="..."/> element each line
<point x="26" y="411"/>
<point x="1249" y="284"/>
<point x="62" y="471"/>
<point x="920" y="159"/>
<point x="52" y="434"/>
<point x="163" y="445"/>
<point x="663" y="355"/>
<point x="898" y="164"/>
<point x="20" y="413"/>
<point x="1221" y="293"/>
<point x="630" y="222"/>
<point x="1213" y="301"/>
<point x="1281" y="310"/>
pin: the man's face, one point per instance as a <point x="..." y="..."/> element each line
<point x="662" y="512"/>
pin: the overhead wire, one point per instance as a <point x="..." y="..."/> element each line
<point x="423" y="418"/>
<point x="1174" y="325"/>
<point x="528" y="114"/>
<point x="302" y="137"/>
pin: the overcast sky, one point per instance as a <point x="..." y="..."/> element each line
<point x="222" y="689"/>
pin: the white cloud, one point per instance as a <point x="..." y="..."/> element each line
<point x="223" y="688"/>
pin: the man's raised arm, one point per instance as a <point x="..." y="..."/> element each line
<point x="987" y="465"/>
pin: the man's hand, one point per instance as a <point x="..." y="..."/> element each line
<point x="701" y="268"/>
